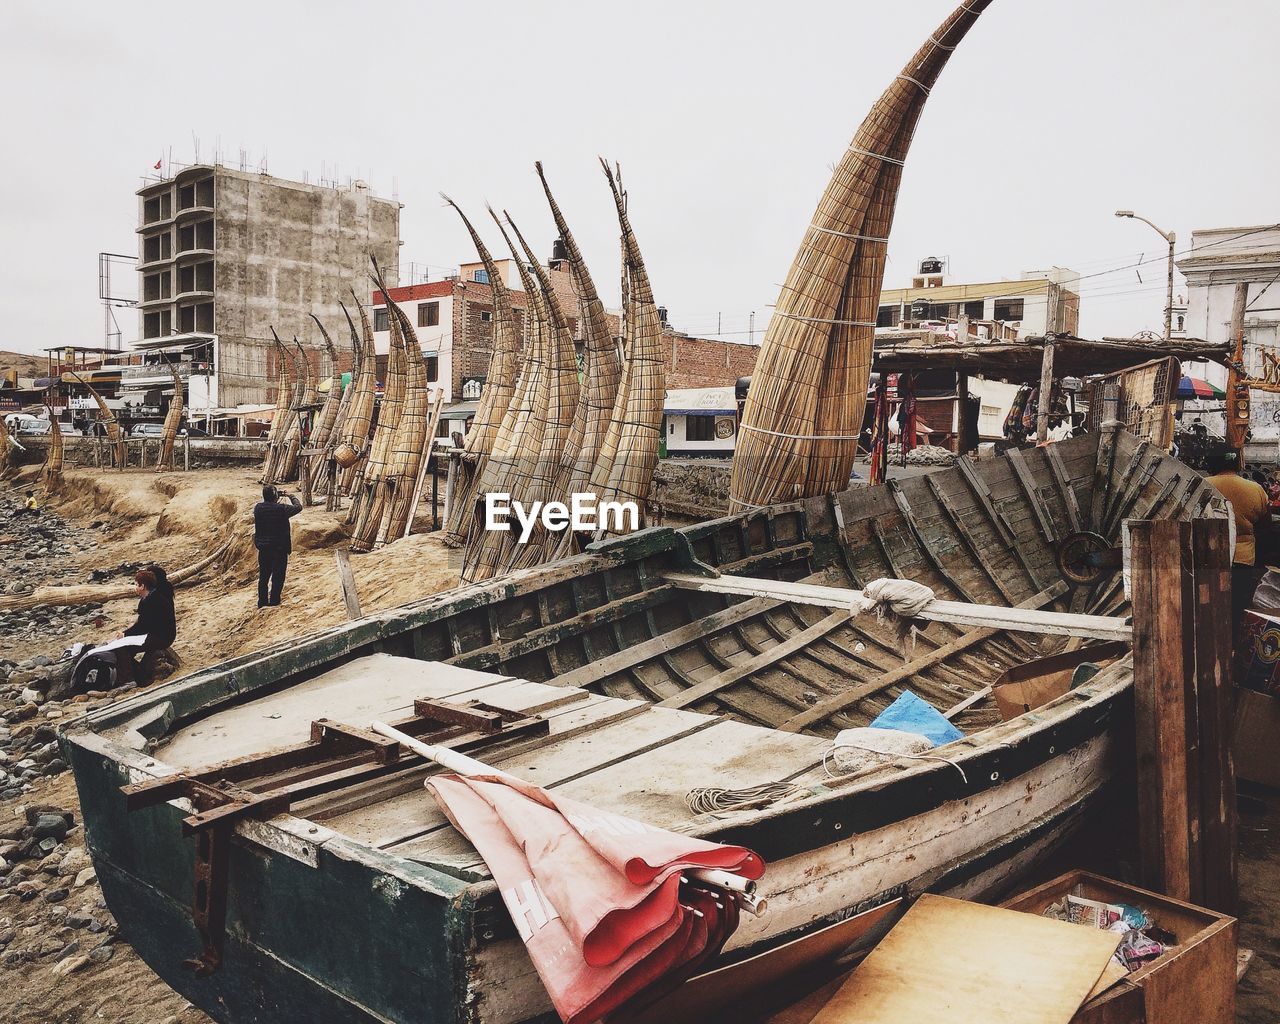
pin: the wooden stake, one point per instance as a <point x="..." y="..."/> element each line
<point x="304" y="478"/>
<point x="347" y="583"/>
<point x="1162" y="600"/>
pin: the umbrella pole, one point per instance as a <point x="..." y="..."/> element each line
<point x="464" y="765"/>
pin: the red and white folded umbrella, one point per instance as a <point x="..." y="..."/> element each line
<point x="611" y="910"/>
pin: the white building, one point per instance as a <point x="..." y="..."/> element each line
<point x="1040" y="302"/>
<point x="700" y="421"/>
<point x="1218" y="260"/>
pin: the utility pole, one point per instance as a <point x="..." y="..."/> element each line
<point x="1170" y="237"/>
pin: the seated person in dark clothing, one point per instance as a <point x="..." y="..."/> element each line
<point x="157" y="621"/>
<point x="272" y="538"/>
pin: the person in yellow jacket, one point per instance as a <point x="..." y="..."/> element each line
<point x="1252" y="511"/>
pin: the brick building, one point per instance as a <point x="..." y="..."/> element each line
<point x="454" y="322"/>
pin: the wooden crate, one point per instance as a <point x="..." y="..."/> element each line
<point x="1192" y="984"/>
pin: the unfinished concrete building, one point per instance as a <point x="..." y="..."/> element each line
<point x="224" y="255"/>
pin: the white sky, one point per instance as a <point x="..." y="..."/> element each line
<point x="726" y="117"/>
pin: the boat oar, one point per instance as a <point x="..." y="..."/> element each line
<point x="461" y="764"/>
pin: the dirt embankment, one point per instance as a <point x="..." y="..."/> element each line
<point x="175" y="519"/>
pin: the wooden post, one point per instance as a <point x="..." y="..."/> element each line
<point x="449" y="482"/>
<point x="186" y="453"/>
<point x="347" y="583"/>
<point x="1215" y="714"/>
<point x="1046" y="393"/>
<point x="1162" y="672"/>
<point x="1237" y="396"/>
<point x="304" y="478"/>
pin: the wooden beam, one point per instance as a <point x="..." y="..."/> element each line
<point x="1161" y="598"/>
<point x="347" y="583"/>
<point x="827" y="708"/>
<point x="1028" y="619"/>
<point x="662" y="644"/>
<point x="763" y="660"/>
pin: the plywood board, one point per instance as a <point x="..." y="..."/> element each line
<point x="965" y="963"/>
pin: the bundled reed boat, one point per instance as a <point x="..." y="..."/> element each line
<point x="328" y="886"/>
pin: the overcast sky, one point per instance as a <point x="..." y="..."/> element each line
<point x="726" y="117"/>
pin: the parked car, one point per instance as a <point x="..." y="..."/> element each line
<point x="69" y="429"/>
<point x="157" y="430"/>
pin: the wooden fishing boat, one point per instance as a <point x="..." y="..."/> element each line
<point x="623" y="677"/>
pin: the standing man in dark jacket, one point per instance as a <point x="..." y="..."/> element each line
<point x="272" y="539"/>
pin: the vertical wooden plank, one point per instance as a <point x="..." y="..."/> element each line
<point x="347" y="583"/>
<point x="1160" y="597"/>
<point x="1215" y="714"/>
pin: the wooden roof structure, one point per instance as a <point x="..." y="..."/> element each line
<point x="1020" y="361"/>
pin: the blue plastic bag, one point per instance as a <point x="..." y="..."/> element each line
<point x="911" y="714"/>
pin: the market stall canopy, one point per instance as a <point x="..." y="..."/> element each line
<point x="1019" y="361"/>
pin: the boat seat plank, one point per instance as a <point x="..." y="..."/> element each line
<point x="356" y="692"/>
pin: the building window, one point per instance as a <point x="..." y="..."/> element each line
<point x="156" y="247"/>
<point x="973" y="310"/>
<point x="699" y="428"/>
<point x="156" y="286"/>
<point x="486" y="316"/>
<point x="888" y="316"/>
<point x="428" y="314"/>
<point x="481" y="276"/>
<point x="1181" y="321"/>
<point x="1008" y="309"/>
<point x="433" y="369"/>
<point x="381" y="321"/>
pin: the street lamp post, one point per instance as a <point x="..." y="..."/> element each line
<point x="1171" y="238"/>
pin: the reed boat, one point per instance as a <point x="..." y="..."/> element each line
<point x="328" y="886"/>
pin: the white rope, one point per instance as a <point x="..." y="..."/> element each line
<point x="797" y="437"/>
<point x="878" y="156"/>
<point x="888" y="754"/>
<point x="846" y="234"/>
<point x="942" y="46"/>
<point x="923" y="88"/>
